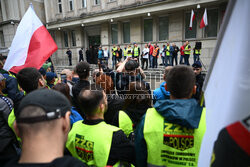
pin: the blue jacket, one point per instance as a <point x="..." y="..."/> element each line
<point x="185" y="112"/>
<point x="160" y="93"/>
<point x="74" y="116"/>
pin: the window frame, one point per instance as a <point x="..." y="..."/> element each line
<point x="126" y="22"/>
<point x="73" y="37"/>
<point x="59" y="6"/>
<point x="112" y="33"/>
<point x="84" y="3"/>
<point x="96" y="4"/>
<point x="144" y="29"/>
<point x="65" y="33"/>
<point x="71" y="1"/>
<point x="204" y="34"/>
<point x="163" y="16"/>
<point x="188" y="12"/>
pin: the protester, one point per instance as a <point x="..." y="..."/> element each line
<point x="200" y="77"/>
<point x="136" y="52"/>
<point x="187" y="52"/>
<point x="112" y="145"/>
<point x="132" y="72"/>
<point x="43" y="143"/>
<point x="129" y="51"/>
<point x="8" y="139"/>
<point x="66" y="77"/>
<point x="155" y="55"/>
<point x="87" y="55"/>
<point x="125" y="52"/>
<point x="81" y="55"/>
<point x="82" y="69"/>
<point x="196" y="53"/>
<point x="182" y="54"/>
<point x="64" y="89"/>
<point x="114" y="56"/>
<point x="69" y="54"/>
<point x="11" y="86"/>
<point x="163" y="54"/>
<point x="161" y="93"/>
<point x="100" y="55"/>
<point x="151" y="49"/>
<point x="119" y="51"/>
<point x="50" y="78"/>
<point x="175" y="54"/>
<point x="168" y="57"/>
<point x="106" y="56"/>
<point x="145" y="56"/>
<point x="115" y="103"/>
<point x="136" y="104"/>
<point x="171" y="133"/>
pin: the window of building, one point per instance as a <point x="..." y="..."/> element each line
<point x="97" y="2"/>
<point x="2" y="42"/>
<point x="163" y="28"/>
<point x="126" y="32"/>
<point x="60" y="6"/>
<point x="71" y="5"/>
<point x="114" y="33"/>
<point x="84" y="3"/>
<point x="190" y="33"/>
<point x="212" y="19"/>
<point x="148" y="30"/>
<point x="112" y="0"/>
<point x="66" y="41"/>
<point x="73" y="38"/>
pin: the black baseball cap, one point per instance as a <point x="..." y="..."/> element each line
<point x="54" y="103"/>
<point x="131" y="65"/>
<point x="197" y="64"/>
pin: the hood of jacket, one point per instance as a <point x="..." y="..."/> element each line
<point x="185" y="112"/>
<point x="163" y="90"/>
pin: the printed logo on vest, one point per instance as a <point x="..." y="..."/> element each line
<point x="84" y="148"/>
<point x="178" y="137"/>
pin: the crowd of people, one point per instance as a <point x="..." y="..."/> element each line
<point x="148" y="56"/>
<point x="103" y="117"/>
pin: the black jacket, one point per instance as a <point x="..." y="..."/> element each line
<point x="115" y="103"/>
<point x="7" y="136"/>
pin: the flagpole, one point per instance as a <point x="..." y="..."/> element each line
<point x="225" y="22"/>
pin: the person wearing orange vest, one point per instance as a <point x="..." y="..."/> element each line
<point x="155" y="55"/>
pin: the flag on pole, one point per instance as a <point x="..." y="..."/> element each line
<point x="204" y="19"/>
<point x="191" y="19"/>
<point x="32" y="44"/>
<point x="227" y="86"/>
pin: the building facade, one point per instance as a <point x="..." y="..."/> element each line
<point x="11" y="12"/>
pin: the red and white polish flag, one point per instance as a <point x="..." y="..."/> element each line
<point x="204" y="20"/>
<point x="32" y="44"/>
<point x="191" y="19"/>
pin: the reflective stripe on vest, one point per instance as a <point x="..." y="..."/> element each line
<point x="125" y="51"/>
<point x="155" y="52"/>
<point x="125" y="123"/>
<point x="114" y="49"/>
<point x="197" y="51"/>
<point x="168" y="52"/>
<point x="91" y="143"/>
<point x="187" y="52"/>
<point x="171" y="144"/>
<point x="136" y="51"/>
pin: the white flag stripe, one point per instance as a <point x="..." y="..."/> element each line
<point x="227" y="93"/>
<point x="205" y="17"/>
<point x="191" y="19"/>
<point x="20" y="44"/>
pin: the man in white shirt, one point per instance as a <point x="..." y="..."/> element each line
<point x="106" y="56"/>
<point x="145" y="56"/>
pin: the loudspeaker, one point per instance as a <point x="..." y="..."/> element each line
<point x="198" y="45"/>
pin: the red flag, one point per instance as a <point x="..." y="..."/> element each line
<point x="32" y="44"/>
<point x="204" y="20"/>
<point x="191" y="19"/>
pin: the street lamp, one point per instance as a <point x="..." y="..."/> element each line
<point x="148" y="14"/>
